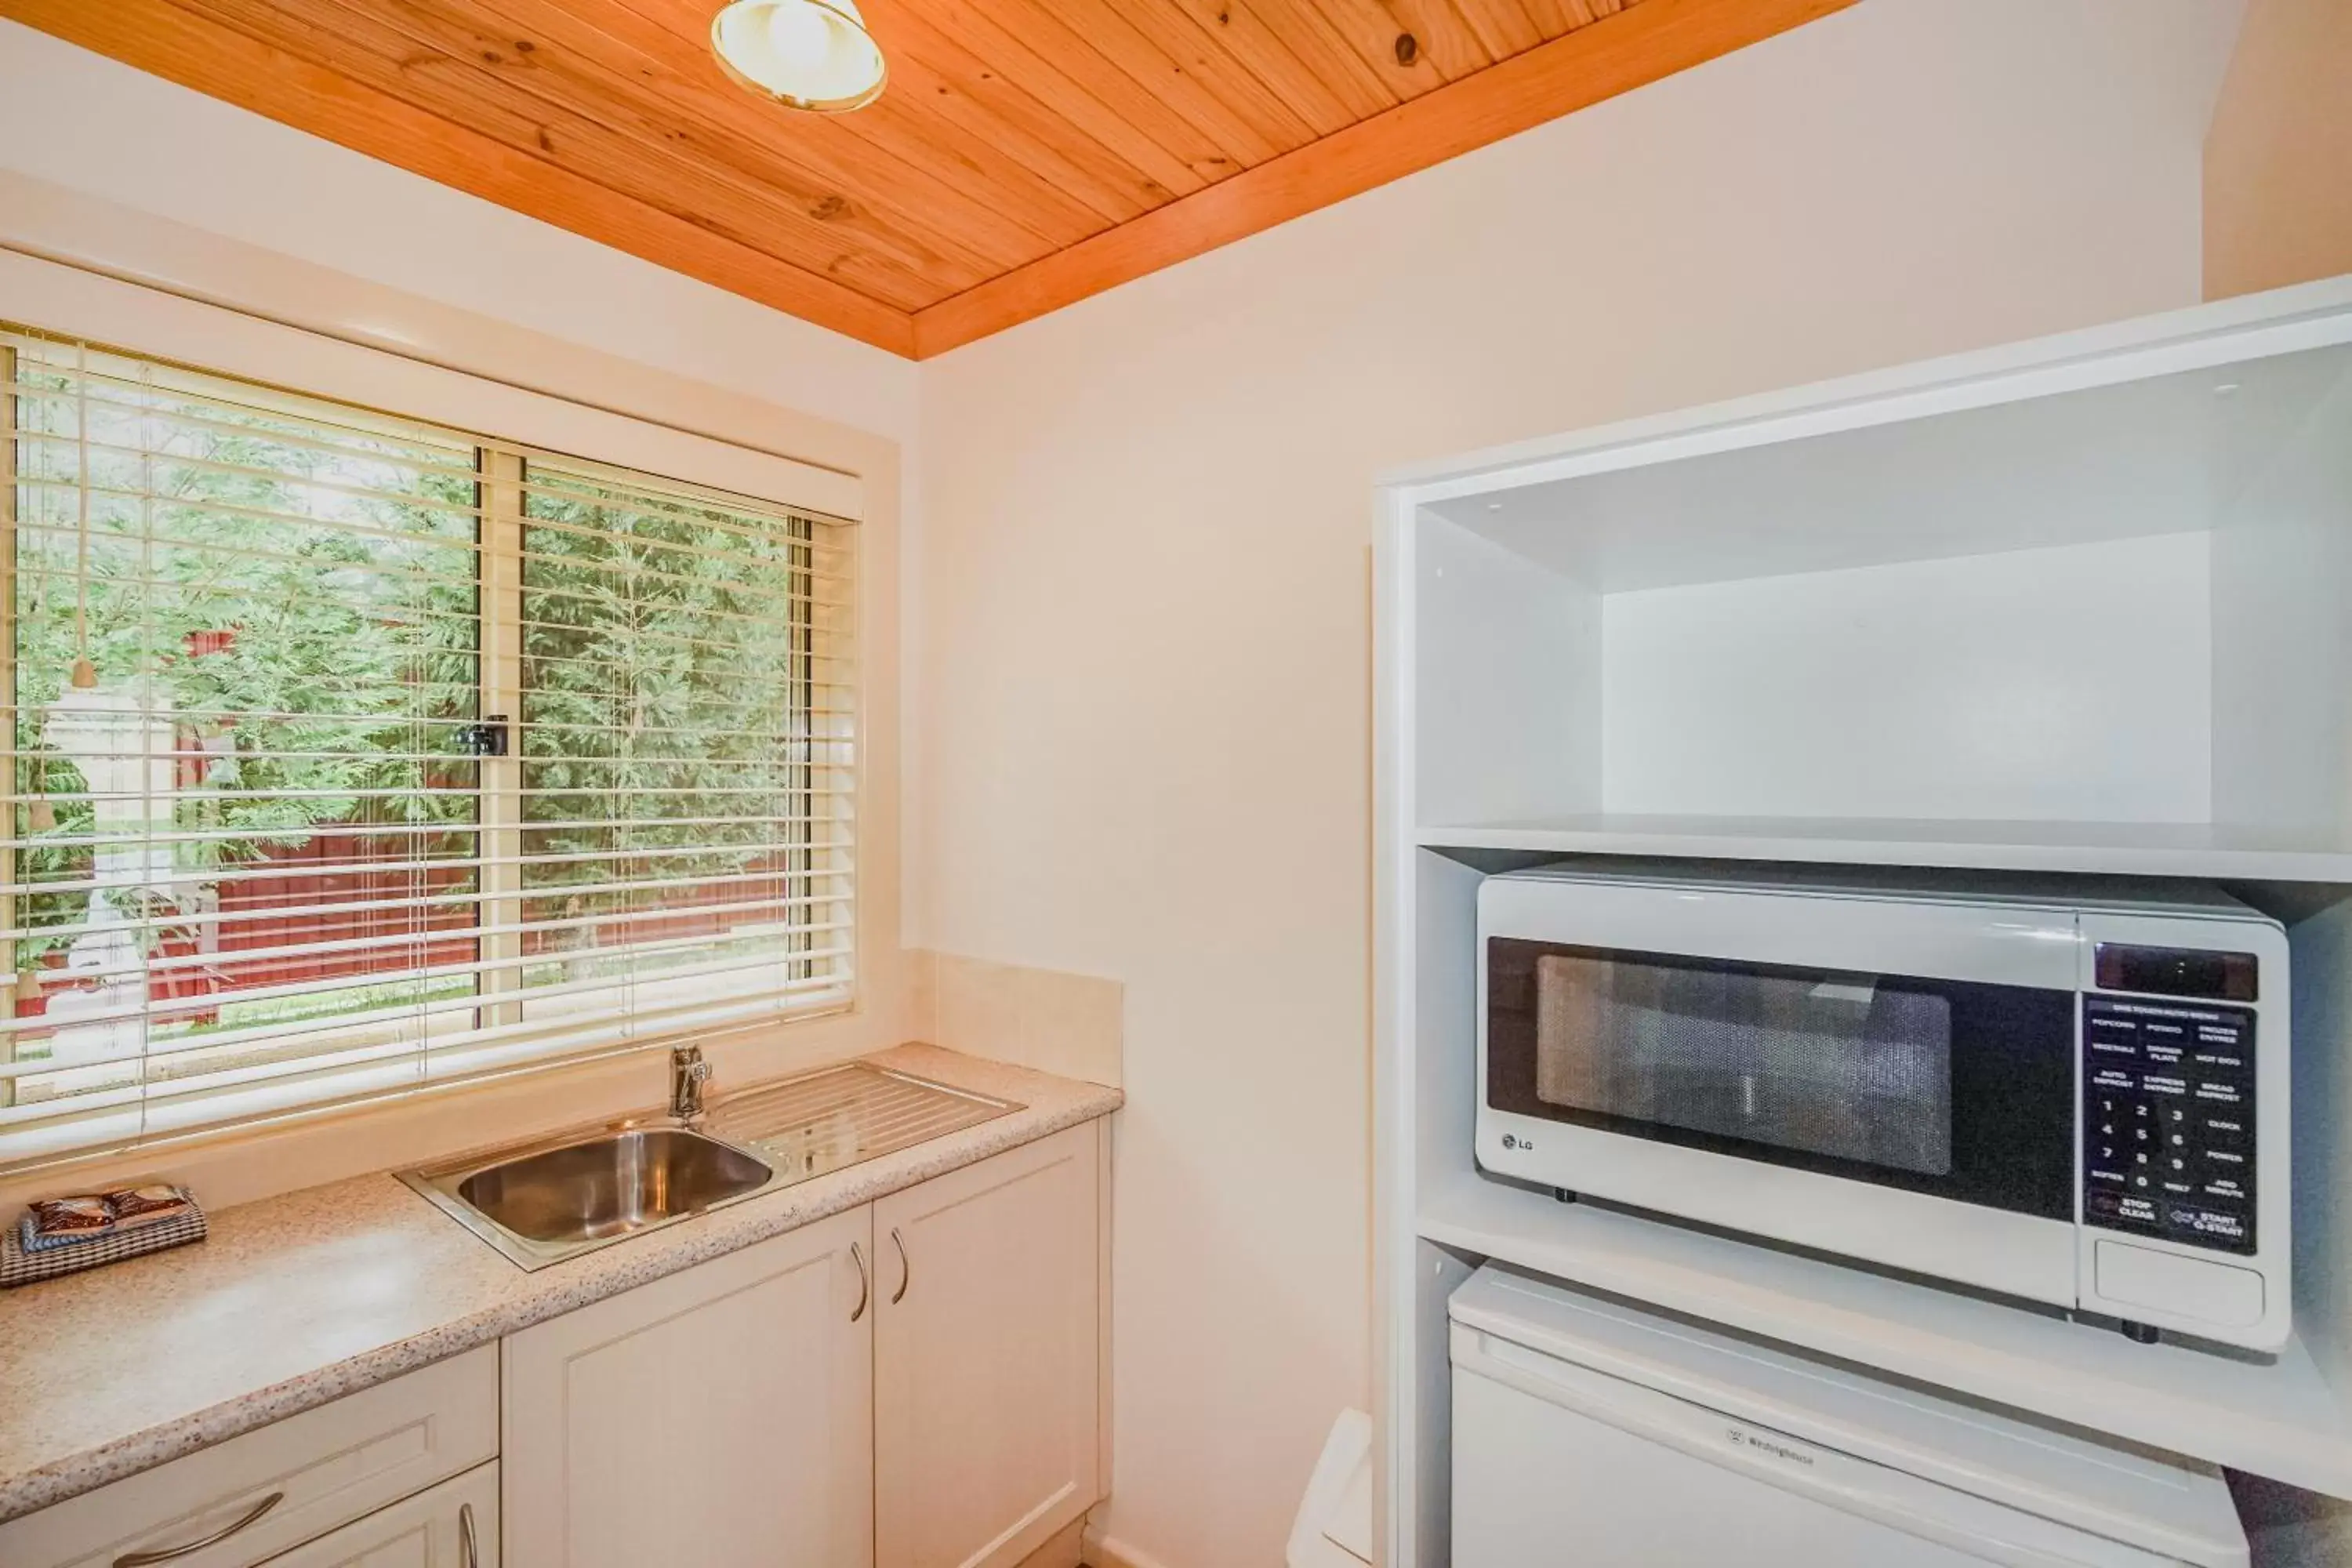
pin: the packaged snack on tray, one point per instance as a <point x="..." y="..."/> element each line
<point x="134" y="1207"/>
<point x="64" y="1219"/>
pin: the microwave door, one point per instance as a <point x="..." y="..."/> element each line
<point x="1846" y="1066"/>
<point x="1956" y="1090"/>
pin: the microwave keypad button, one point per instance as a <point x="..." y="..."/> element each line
<point x="2205" y="1223"/>
<point x="2168" y="1146"/>
<point x="2112" y="1039"/>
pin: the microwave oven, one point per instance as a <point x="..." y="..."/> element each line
<point x="2076" y="1100"/>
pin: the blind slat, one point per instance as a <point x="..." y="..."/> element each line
<point x="340" y="1027"/>
<point x="257" y="864"/>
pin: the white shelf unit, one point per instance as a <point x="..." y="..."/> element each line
<point x="2082" y="605"/>
<point x="2276" y="1417"/>
<point x="2200" y="850"/>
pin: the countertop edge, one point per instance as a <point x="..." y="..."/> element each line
<point x="59" y="1480"/>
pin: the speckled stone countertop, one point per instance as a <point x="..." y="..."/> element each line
<point x="298" y="1300"/>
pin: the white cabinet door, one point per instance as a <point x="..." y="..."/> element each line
<point x="454" y="1525"/>
<point x="986" y="1357"/>
<point x="721" y="1418"/>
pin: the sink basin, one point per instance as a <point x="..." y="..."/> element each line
<point x="543" y="1201"/>
<point x="549" y="1200"/>
<point x="612" y="1185"/>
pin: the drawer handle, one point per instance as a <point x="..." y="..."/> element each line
<point x="865" y="1284"/>
<point x="906" y="1270"/>
<point x="468" y="1556"/>
<point x="252" y="1515"/>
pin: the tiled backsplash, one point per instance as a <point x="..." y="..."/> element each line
<point x="1041" y="1018"/>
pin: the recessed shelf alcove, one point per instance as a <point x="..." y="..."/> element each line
<point x="2082" y="605"/>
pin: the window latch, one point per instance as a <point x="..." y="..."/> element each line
<point x="486" y="739"/>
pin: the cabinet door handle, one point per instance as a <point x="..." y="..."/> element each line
<point x="252" y="1515"/>
<point x="865" y="1284"/>
<point x="468" y="1554"/>
<point x="906" y="1270"/>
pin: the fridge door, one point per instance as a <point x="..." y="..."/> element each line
<point x="1674" y="1405"/>
<point x="1642" y="1478"/>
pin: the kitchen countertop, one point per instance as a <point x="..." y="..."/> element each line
<point x="298" y="1300"/>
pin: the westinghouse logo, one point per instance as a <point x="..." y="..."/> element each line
<point x="1743" y="1438"/>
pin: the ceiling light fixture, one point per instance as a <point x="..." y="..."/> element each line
<point x="807" y="54"/>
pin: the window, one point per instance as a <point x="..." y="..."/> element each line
<point x="351" y="754"/>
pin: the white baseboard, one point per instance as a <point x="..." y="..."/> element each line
<point x="1103" y="1552"/>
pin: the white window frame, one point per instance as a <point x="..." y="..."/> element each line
<point x="67" y="302"/>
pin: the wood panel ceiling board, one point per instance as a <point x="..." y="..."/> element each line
<point x="902" y="125"/>
<point x="1019" y="35"/>
<point x="1005" y="53"/>
<point x="959" y="88"/>
<point x="1321" y="46"/>
<point x="1504" y="28"/>
<point x="164" y="40"/>
<point x="898" y="154"/>
<point x="679" y="77"/>
<point x="1114" y="32"/>
<point x="662" y="172"/>
<point x="1373" y="33"/>
<point x="1026" y="154"/>
<point x="1256" y="62"/>
<point x="1442" y="35"/>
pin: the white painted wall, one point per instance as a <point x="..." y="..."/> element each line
<point x="82" y="122"/>
<point x="2072" y="683"/>
<point x="1140" y="655"/>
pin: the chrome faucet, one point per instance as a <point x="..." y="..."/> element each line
<point x="688" y="1073"/>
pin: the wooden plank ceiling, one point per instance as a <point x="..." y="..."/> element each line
<point x="1027" y="153"/>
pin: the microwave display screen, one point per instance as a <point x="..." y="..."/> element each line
<point x="1852" y="1066"/>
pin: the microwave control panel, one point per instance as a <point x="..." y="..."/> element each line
<point x="2169" y="1120"/>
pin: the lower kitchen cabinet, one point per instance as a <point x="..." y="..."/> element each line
<point x="914" y="1384"/>
<point x="986" y="1356"/>
<point x="911" y="1384"/>
<point x="331" y="1474"/>
<point x="454" y="1525"/>
<point x="720" y="1418"/>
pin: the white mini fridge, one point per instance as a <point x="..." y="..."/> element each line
<point x="1588" y="1435"/>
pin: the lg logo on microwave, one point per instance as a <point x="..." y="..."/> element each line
<point x="1513" y="1140"/>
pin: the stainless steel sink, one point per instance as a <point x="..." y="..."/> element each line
<point x="543" y="1201"/>
<point x="612" y="1185"/>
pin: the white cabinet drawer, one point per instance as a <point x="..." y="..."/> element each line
<point x="454" y="1525"/>
<point x="326" y="1467"/>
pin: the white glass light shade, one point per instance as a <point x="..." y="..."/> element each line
<point x="810" y="54"/>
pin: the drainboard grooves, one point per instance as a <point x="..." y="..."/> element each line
<point x="846" y="1114"/>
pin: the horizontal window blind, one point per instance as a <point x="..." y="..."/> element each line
<point x="350" y="755"/>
